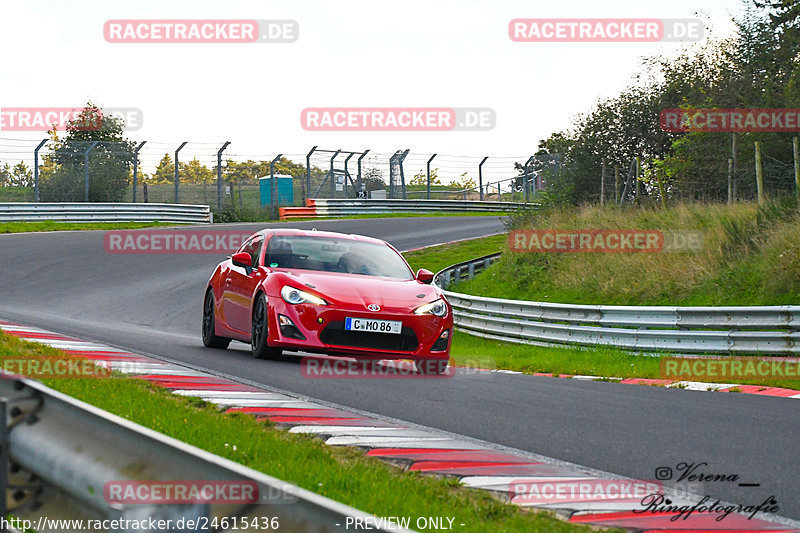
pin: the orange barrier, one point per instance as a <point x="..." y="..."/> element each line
<point x="288" y="213"/>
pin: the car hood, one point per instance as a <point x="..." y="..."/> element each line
<point x="358" y="289"/>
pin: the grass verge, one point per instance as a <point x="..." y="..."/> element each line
<point x="436" y="258"/>
<point x="346" y="475"/>
<point x="604" y="362"/>
<point x="54" y="225"/>
<point x="748" y="255"/>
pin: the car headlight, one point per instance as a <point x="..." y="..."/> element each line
<point x="296" y="296"/>
<point x="436" y="307"/>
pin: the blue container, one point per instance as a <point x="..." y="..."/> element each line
<point x="285" y="191"/>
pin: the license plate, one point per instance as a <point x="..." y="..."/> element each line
<point x="373" y="326"/>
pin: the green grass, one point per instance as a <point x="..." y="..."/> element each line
<point x="603" y="362"/>
<point x="53" y="225"/>
<point x="436" y="258"/>
<point x="469" y="350"/>
<point x="346" y="475"/>
<point x="750" y="256"/>
<point x="16" y="194"/>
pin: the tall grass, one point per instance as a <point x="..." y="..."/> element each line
<point x="750" y="255"/>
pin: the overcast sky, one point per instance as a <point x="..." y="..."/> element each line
<point x="350" y="53"/>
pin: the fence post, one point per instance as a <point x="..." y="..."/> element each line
<point x="734" y="152"/>
<point x="86" y="171"/>
<point x="219" y="174"/>
<point x="429" y="176"/>
<point x="730" y="180"/>
<point x="36" y="171"/>
<point x="176" y="169"/>
<point x="759" y="174"/>
<point x="136" y="169"/>
<point x="796" y="152"/>
<point x="402" y="174"/>
<point x="308" y="173"/>
<point x="659" y="178"/>
<point x="480" y="177"/>
<point x="358" y="181"/>
<point x="616" y="184"/>
<point x="273" y="193"/>
<point x="526" y="176"/>
<point x="346" y="173"/>
<point x="603" y="182"/>
<point x="333" y="175"/>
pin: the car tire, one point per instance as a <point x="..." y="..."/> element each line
<point x="260" y="332"/>
<point x="434" y="367"/>
<point x="210" y="338"/>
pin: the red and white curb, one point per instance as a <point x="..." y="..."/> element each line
<point x="415" y="449"/>
<point x="688" y="385"/>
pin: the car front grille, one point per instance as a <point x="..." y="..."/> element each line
<point x="335" y="334"/>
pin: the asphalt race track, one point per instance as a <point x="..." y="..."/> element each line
<point x="151" y="304"/>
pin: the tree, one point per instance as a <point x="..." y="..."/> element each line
<point x="165" y="171"/>
<point x="421" y="178"/>
<point x="373" y="179"/>
<point x="463" y="182"/>
<point x="110" y="160"/>
<point x="195" y="172"/>
<point x="21" y="175"/>
<point x="759" y="67"/>
<point x="5" y="176"/>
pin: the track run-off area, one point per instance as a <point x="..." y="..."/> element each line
<point x="151" y="304"/>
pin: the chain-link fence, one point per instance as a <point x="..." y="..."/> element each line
<point x="145" y="172"/>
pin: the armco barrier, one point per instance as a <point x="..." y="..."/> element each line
<point x="769" y="330"/>
<point x="105" y="212"/>
<point x="63" y="452"/>
<point x="322" y="208"/>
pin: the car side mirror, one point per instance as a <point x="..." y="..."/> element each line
<point x="425" y="276"/>
<point x="243" y="259"/>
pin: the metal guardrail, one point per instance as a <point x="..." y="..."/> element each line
<point x="105" y="212"/>
<point x="769" y="330"/>
<point x="73" y="449"/>
<point x="343" y="207"/>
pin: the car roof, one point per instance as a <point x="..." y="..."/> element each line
<point x="326" y="234"/>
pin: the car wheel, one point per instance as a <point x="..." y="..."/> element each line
<point x="435" y="367"/>
<point x="259" y="334"/>
<point x="210" y="338"/>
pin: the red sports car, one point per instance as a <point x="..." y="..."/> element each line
<point x="323" y="292"/>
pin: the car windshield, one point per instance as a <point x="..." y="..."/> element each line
<point x="327" y="254"/>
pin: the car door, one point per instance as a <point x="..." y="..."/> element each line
<point x="239" y="287"/>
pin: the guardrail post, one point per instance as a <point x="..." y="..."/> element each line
<point x="346" y="174"/>
<point x="4" y="458"/>
<point x="36" y="174"/>
<point x="480" y="176"/>
<point x="308" y="174"/>
<point x="219" y="174"/>
<point x="273" y="192"/>
<point x="358" y="182"/>
<point x="177" y="168"/>
<point x="136" y="169"/>
<point x="86" y="171"/>
<point x="429" y="176"/>
<point x="333" y="176"/>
